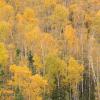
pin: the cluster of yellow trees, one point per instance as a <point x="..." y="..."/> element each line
<point x="49" y="50"/>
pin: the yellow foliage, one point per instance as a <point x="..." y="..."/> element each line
<point x="6" y="12"/>
<point x="55" y="66"/>
<point x="49" y="44"/>
<point x="98" y="13"/>
<point x="8" y="94"/>
<point x="2" y="3"/>
<point x="49" y="3"/>
<point x="7" y="91"/>
<point x="39" y="80"/>
<point x="11" y="46"/>
<point x="70" y="36"/>
<point x="31" y="85"/>
<point x="37" y="61"/>
<point x="74" y="7"/>
<point x="27" y="21"/>
<point x="43" y="42"/>
<point x="88" y="17"/>
<point x="39" y="98"/>
<point x="4" y="30"/>
<point x="3" y="54"/>
<point x="19" y="69"/>
<point x="60" y="14"/>
<point x="20" y="18"/>
<point x="33" y="35"/>
<point x="74" y="71"/>
<point x="29" y="14"/>
<point x="23" y="27"/>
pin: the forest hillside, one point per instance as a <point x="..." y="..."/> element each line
<point x="49" y="49"/>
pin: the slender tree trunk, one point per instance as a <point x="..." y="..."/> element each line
<point x="58" y="85"/>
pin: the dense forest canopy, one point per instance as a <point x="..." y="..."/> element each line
<point x="49" y="49"/>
